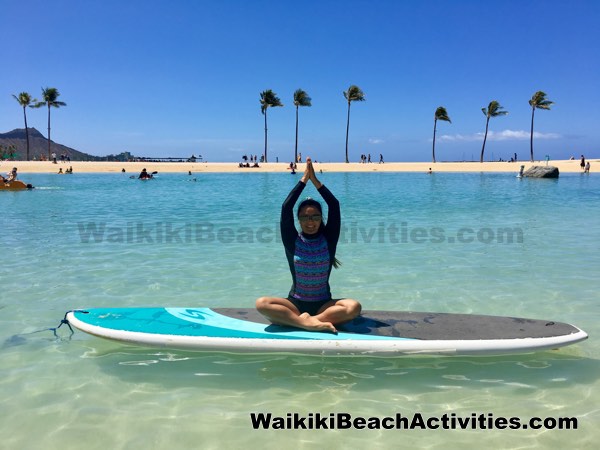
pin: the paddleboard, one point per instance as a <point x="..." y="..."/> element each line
<point x="381" y="333"/>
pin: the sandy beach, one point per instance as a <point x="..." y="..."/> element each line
<point x="24" y="167"/>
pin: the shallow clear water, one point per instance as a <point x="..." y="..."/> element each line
<point x="466" y="243"/>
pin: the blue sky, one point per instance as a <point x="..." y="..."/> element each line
<point x="174" y="77"/>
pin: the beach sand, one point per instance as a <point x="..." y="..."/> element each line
<point x="25" y="167"/>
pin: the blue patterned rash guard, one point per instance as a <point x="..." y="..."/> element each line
<point x="310" y="257"/>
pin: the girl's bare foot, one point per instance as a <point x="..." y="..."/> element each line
<point x="311" y="323"/>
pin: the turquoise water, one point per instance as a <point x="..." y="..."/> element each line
<point x="465" y="243"/>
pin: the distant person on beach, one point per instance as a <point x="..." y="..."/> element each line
<point x="53" y="158"/>
<point x="587" y="167"/>
<point x="311" y="256"/>
<point x="582" y="163"/>
<point x="381" y="161"/>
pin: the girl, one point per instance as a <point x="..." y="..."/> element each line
<point x="311" y="256"/>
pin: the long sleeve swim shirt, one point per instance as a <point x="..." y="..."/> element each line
<point x="310" y="257"/>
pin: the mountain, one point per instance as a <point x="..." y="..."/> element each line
<point x="15" y="142"/>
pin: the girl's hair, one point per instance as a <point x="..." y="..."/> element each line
<point x="311" y="202"/>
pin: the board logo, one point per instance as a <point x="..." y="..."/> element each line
<point x="196" y="315"/>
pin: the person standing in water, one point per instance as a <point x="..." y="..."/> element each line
<point x="311" y="256"/>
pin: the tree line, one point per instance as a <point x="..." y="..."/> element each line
<point x="50" y="99"/>
<point x="269" y="99"/>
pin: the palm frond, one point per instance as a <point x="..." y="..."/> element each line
<point x="354" y="94"/>
<point x="268" y="99"/>
<point x="494" y="109"/>
<point x="50" y="94"/>
<point x="442" y="114"/>
<point x="301" y="98"/>
<point x="538" y="100"/>
<point x="24" y="99"/>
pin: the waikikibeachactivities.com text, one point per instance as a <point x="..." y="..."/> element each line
<point x="208" y="233"/>
<point x="417" y="421"/>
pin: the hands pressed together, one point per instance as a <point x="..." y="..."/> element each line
<point x="309" y="174"/>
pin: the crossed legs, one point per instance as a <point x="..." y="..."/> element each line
<point x="281" y="311"/>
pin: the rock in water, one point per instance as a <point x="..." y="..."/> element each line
<point x="541" y="172"/>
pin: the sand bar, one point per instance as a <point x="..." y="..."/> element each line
<point x="24" y="167"/>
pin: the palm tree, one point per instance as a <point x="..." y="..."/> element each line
<point x="50" y="96"/>
<point x="24" y="100"/>
<point x="493" y="110"/>
<point x="353" y="94"/>
<point x="268" y="98"/>
<point x="301" y="98"/>
<point x="440" y="114"/>
<point x="537" y="101"/>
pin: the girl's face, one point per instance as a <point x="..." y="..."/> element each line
<point x="310" y="219"/>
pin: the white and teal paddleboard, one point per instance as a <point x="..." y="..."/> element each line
<point x="382" y="333"/>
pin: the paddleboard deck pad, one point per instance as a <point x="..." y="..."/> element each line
<point x="382" y="333"/>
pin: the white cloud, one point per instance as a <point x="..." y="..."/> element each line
<point x="459" y="137"/>
<point x="375" y="141"/>
<point x="505" y="135"/>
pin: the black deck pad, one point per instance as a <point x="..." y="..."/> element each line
<point x="434" y="326"/>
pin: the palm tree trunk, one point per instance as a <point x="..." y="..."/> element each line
<point x="347" y="130"/>
<point x="48" y="132"/>
<point x="434" y="128"/>
<point x="484" y="139"/>
<point x="531" y="138"/>
<point x="265" y="134"/>
<point x="26" y="131"/>
<point x="296" y="148"/>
